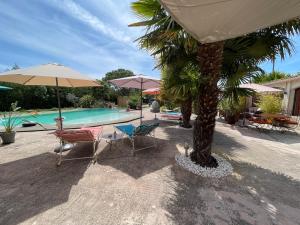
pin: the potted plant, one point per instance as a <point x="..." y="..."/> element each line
<point x="9" y="122"/>
<point x="231" y="109"/>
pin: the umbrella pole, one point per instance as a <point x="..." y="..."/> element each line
<point x="58" y="102"/>
<point x="141" y="101"/>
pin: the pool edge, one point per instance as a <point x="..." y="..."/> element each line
<point x="76" y="126"/>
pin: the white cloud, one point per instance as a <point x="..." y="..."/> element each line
<point x="78" y="12"/>
<point x="37" y="39"/>
<point x="4" y="67"/>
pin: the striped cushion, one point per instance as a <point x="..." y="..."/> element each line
<point x="83" y="134"/>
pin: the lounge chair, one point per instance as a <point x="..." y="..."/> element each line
<point x="91" y="134"/>
<point x="171" y="115"/>
<point x="143" y="130"/>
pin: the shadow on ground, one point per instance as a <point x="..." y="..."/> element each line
<point x="252" y="195"/>
<point x="144" y="162"/>
<point x="287" y="137"/>
<point x="33" y="185"/>
<point x="181" y="136"/>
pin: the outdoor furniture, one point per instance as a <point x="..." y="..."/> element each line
<point x="274" y="121"/>
<point x="285" y="123"/>
<point x="88" y="134"/>
<point x="260" y="122"/>
<point x="112" y="138"/>
<point x="143" y="130"/>
<point x="29" y="124"/>
<point x="171" y="115"/>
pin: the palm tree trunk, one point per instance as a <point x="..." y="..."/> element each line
<point x="210" y="58"/>
<point x="186" y="111"/>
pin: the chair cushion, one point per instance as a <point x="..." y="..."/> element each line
<point x="145" y="129"/>
<point x="96" y="131"/>
<point x="127" y="129"/>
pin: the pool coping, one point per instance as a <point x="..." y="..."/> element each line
<point x="76" y="126"/>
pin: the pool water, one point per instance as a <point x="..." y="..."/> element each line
<point x="83" y="116"/>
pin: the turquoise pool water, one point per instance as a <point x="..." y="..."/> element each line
<point x="83" y="116"/>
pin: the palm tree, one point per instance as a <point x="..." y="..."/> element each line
<point x="180" y="84"/>
<point x="216" y="62"/>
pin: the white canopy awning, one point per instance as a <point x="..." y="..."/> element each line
<point x="260" y="88"/>
<point x="215" y="20"/>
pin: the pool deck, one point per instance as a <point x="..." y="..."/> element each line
<point x="150" y="188"/>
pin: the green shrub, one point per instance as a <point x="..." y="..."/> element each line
<point x="134" y="101"/>
<point x="87" y="101"/>
<point x="231" y="109"/>
<point x="99" y="104"/>
<point x="170" y="105"/>
<point x="73" y="99"/>
<point x="270" y="103"/>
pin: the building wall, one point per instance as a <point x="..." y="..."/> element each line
<point x="289" y="88"/>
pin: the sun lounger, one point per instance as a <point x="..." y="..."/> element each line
<point x="171" y="116"/>
<point x="143" y="130"/>
<point x="88" y="134"/>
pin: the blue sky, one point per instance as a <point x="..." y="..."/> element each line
<point x="91" y="36"/>
<point x="290" y="64"/>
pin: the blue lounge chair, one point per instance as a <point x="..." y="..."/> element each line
<point x="143" y="130"/>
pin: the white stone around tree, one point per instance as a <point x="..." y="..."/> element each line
<point x="224" y="167"/>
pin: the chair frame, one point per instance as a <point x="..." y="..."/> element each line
<point x="95" y="141"/>
<point x="132" y="139"/>
<point x="173" y="117"/>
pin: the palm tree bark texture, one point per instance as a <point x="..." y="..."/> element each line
<point x="210" y="57"/>
<point x="186" y="111"/>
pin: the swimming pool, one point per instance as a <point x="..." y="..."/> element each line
<point x="79" y="117"/>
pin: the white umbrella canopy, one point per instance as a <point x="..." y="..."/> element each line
<point x="260" y="88"/>
<point x="137" y="81"/>
<point x="141" y="82"/>
<point x="47" y="75"/>
<point x="215" y="20"/>
<point x="51" y="74"/>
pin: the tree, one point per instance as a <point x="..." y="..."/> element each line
<point x="215" y="60"/>
<point x="115" y="74"/>
<point x="119" y="73"/>
<point x="15" y="67"/>
<point x="87" y="101"/>
<point x="41" y="97"/>
<point x="271" y="76"/>
<point x="180" y="85"/>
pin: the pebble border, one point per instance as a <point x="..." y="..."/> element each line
<point x="224" y="167"/>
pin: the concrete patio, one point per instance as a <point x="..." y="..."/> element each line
<point x="151" y="188"/>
